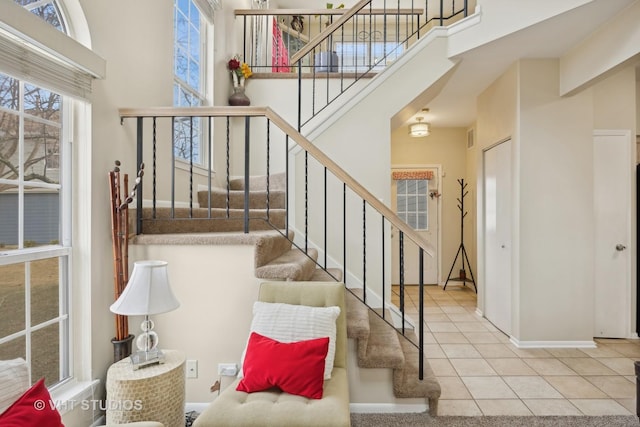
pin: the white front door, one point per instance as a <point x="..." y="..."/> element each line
<point x="612" y="179"/>
<point x="498" y="191"/>
<point x="418" y="200"/>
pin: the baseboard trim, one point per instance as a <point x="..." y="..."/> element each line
<point x="552" y="344"/>
<point x="386" y="408"/>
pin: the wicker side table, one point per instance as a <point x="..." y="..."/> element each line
<point x="153" y="393"/>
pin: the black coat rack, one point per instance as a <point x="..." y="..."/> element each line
<point x="461" y="250"/>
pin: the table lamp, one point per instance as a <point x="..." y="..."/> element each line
<point x="148" y="292"/>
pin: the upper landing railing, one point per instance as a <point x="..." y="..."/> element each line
<point x="331" y="49"/>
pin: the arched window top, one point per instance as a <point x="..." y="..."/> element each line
<point x="48" y="10"/>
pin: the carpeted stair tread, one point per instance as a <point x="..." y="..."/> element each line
<point x="331" y="275"/>
<point x="357" y="317"/>
<point x="257" y="199"/>
<point x="406" y="381"/>
<point x="382" y="349"/>
<point x="270" y="247"/>
<point x="201" y="222"/>
<point x="292" y="265"/>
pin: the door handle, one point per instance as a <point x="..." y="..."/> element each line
<point x="620" y="247"/>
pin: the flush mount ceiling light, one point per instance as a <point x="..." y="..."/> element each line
<point x="419" y="129"/>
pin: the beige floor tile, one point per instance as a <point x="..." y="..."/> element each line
<point x="442" y="326"/>
<point x="597" y="407"/>
<point x="615" y="386"/>
<point x="601" y="351"/>
<point x="460" y="351"/>
<point x="434" y="351"/>
<point x="429" y="338"/>
<point x="628" y="404"/>
<point x="575" y="387"/>
<point x="622" y="365"/>
<point x="502" y="337"/>
<point x="442" y="368"/>
<point x="530" y="353"/>
<point x="453" y="388"/>
<point x="481" y="337"/>
<point x="436" y="317"/>
<point x="532" y="387"/>
<point x="631" y="378"/>
<point x="472" y="367"/>
<point x="488" y="388"/>
<point x="489" y="326"/>
<point x="510" y="366"/>
<point x="470" y="327"/>
<point x="566" y="352"/>
<point x="450" y="338"/>
<point x="494" y="351"/>
<point x="463" y="408"/>
<point x="586" y="366"/>
<point x="453" y="309"/>
<point x="626" y="349"/>
<point x="463" y="317"/>
<point x="547" y="366"/>
<point x="502" y="407"/>
<point x="433" y="310"/>
<point x="551" y="407"/>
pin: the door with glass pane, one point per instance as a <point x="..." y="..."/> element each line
<point x="415" y="201"/>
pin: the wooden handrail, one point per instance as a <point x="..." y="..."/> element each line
<point x="306" y="12"/>
<point x="316" y="40"/>
<point x="301" y="140"/>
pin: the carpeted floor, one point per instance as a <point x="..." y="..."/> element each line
<point x="411" y="420"/>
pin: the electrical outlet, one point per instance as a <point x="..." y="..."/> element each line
<point x="227" y="369"/>
<point x="192" y="369"/>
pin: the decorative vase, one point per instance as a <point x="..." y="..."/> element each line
<point x="121" y="348"/>
<point x="238" y="97"/>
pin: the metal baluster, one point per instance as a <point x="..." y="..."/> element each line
<point x="228" y="178"/>
<point x="155" y="165"/>
<point x="421" y="316"/>
<point x="268" y="165"/>
<point x="383" y="270"/>
<point x="173" y="167"/>
<point x="306" y="201"/>
<point x="364" y="250"/>
<point x="401" y="250"/>
<point x="191" y="167"/>
<point x="247" y="153"/>
<point x="140" y="161"/>
<point x="344" y="232"/>
<point x="210" y="166"/>
<point x="325" y="218"/>
<point x="286" y="199"/>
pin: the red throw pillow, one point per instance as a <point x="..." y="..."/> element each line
<point x="33" y="409"/>
<point x="295" y="368"/>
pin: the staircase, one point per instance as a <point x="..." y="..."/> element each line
<point x="379" y="345"/>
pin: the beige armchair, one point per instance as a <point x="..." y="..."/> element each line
<point x="274" y="407"/>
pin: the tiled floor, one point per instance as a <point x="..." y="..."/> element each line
<point x="482" y="373"/>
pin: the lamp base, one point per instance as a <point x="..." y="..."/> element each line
<point x="142" y="359"/>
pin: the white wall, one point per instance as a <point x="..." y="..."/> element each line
<point x="216" y="287"/>
<point x="553" y="247"/>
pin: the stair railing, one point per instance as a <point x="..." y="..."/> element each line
<point x="330" y="50"/>
<point x="344" y="220"/>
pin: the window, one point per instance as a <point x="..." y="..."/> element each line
<point x="364" y="56"/>
<point x="35" y="239"/>
<point x="189" y="86"/>
<point x="412" y="202"/>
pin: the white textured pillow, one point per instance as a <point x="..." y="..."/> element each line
<point x="14" y="381"/>
<point x="291" y="323"/>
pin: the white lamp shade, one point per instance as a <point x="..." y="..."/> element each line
<point x="419" y="129"/>
<point x="147" y="292"/>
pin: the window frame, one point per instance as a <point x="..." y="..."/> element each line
<point x="62" y="251"/>
<point x="180" y="84"/>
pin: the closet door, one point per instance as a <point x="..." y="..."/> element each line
<point x="497" y="184"/>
